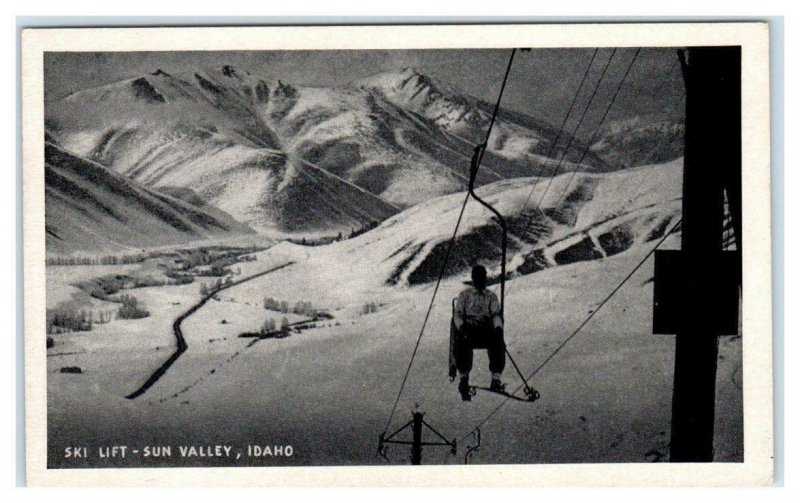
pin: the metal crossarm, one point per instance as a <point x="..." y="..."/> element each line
<point x="416" y="443"/>
<point x="398" y="431"/>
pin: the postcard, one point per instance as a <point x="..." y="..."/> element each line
<point x="323" y="255"/>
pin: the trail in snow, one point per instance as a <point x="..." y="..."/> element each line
<point x="181" y="341"/>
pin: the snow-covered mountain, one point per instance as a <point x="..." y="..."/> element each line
<point x="301" y="160"/>
<point x="91" y="208"/>
<point x="640" y="140"/>
<point x="518" y="142"/>
<point x="584" y="217"/>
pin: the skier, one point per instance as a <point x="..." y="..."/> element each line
<point x="478" y="324"/>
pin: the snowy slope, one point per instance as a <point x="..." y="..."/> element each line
<point x="581" y="217"/>
<point x="600" y="216"/>
<point x="250" y="146"/>
<point x="640" y="140"/>
<point x="328" y="391"/>
<point x="89" y="207"/>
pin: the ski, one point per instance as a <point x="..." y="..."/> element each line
<point x="531" y="395"/>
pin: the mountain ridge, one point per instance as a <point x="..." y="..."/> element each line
<point x="89" y="208"/>
<point x="242" y="142"/>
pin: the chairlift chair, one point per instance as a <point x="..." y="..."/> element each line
<point x="483" y="342"/>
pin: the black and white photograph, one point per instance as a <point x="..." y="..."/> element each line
<point x="477" y="255"/>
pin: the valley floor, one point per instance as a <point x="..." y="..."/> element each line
<point x="328" y="391"/>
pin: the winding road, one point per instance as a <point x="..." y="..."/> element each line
<point x="181" y="341"/>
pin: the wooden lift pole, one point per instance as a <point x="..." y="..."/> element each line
<point x="416" y="443"/>
<point x="696" y="294"/>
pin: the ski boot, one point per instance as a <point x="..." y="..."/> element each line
<point x="497" y="385"/>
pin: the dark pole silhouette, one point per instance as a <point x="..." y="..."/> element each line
<point x="416" y="445"/>
<point x="696" y="295"/>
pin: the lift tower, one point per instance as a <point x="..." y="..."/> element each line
<point x="697" y="288"/>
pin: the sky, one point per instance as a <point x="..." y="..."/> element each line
<point x="542" y="82"/>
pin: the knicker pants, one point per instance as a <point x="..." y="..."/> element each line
<point x="478" y="337"/>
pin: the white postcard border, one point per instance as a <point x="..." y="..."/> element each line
<point x="757" y="468"/>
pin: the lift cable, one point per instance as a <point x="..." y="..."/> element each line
<point x="550" y="152"/>
<point x="553" y="146"/>
<point x="580" y="327"/>
<point x="481" y="149"/>
<point x="616" y="289"/>
<point x="599" y="124"/>
<point x="554" y="173"/>
<point x="450" y="244"/>
<point x="586" y="150"/>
